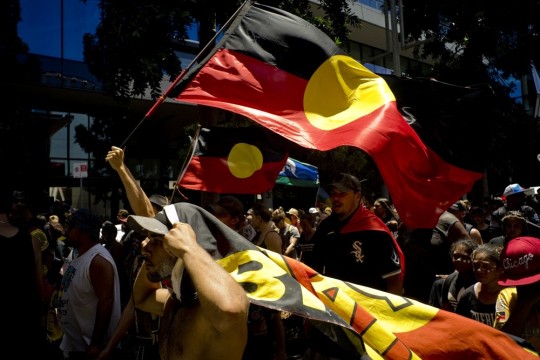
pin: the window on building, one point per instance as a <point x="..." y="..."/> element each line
<point x="56" y="27"/>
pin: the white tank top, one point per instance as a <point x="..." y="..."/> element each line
<point x="77" y="308"/>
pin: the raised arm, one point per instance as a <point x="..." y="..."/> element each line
<point x="139" y="202"/>
<point x="223" y="301"/>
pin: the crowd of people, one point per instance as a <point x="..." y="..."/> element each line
<point x="109" y="289"/>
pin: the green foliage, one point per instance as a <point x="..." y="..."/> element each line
<point x="339" y="20"/>
<point x="477" y="42"/>
<point x="471" y="41"/>
<point x="13" y="51"/>
<point x="134" y="45"/>
<point x="10" y="15"/>
<point x="136" y="40"/>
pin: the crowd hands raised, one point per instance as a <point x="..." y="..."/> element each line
<point x="105" y="296"/>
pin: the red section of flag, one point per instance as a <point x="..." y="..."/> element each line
<point x="464" y="338"/>
<point x="286" y="75"/>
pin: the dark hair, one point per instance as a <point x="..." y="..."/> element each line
<point x="477" y="210"/>
<point x="278" y="215"/>
<point x="307" y="217"/>
<point x="387" y="205"/>
<point x="259" y="209"/>
<point x="469" y="245"/>
<point x="493" y="251"/>
<point x="109" y="228"/>
<point x="85" y="221"/>
<point x="233" y="206"/>
<point x="515" y="215"/>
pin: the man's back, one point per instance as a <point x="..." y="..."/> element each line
<point x="447" y="231"/>
<point x="289" y="234"/>
<point x="80" y="300"/>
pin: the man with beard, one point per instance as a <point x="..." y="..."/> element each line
<point x="353" y="245"/>
<point x="203" y="309"/>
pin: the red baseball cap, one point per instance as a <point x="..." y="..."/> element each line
<point x="521" y="262"/>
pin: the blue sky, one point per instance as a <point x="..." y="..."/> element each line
<point x="40" y="26"/>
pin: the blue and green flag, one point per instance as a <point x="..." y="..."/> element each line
<point x="297" y="173"/>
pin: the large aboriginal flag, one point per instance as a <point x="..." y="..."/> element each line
<point x="235" y="160"/>
<point x="361" y="320"/>
<point x="288" y="76"/>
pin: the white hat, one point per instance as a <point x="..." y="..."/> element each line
<point x="313" y="210"/>
<point x="293" y="211"/>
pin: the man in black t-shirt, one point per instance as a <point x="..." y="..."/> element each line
<point x="354" y="245"/>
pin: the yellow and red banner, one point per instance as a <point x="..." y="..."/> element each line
<point x="383" y="325"/>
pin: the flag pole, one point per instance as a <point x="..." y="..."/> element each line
<point x="192" y="153"/>
<point x="187" y="160"/>
<point x="162" y="98"/>
<point x="317" y="197"/>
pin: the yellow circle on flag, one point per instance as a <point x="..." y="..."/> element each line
<point x="341" y="91"/>
<point x="244" y="159"/>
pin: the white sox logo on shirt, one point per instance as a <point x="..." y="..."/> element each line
<point x="357" y="252"/>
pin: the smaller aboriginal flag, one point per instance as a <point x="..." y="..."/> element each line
<point x="235" y="161"/>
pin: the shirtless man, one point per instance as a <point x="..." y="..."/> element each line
<point x="210" y="321"/>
